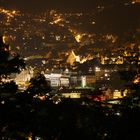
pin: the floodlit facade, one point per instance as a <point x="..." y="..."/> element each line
<point x="57" y="80"/>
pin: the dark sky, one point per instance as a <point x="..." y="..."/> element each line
<point x="37" y="5"/>
<point x="26" y="4"/>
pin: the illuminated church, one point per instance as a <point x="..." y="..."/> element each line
<point x="72" y="58"/>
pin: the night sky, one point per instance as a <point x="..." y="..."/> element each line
<point x="37" y="5"/>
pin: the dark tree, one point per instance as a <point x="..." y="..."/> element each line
<point x="10" y="62"/>
<point x="38" y="85"/>
<point x="9" y="87"/>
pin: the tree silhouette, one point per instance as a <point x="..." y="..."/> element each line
<point x="38" y="85"/>
<point x="9" y="87"/>
<point x="10" y="62"/>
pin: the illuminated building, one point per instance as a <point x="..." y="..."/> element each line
<point x="57" y="80"/>
<point x="73" y="58"/>
<point x="74" y="93"/>
<point x="78" y="38"/>
<point x="54" y="79"/>
<point x="24" y="77"/>
<point x="64" y="81"/>
<point x="99" y="72"/>
<point x="117" y="94"/>
<point x="83" y="80"/>
<point x="88" y="80"/>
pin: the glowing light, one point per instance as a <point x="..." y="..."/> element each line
<point x="125" y="92"/>
<point x="10" y="14"/>
<point x="84" y="81"/>
<point x="4" y="39"/>
<point x="117" y="94"/>
<point x="14" y="12"/>
<point x="57" y="20"/>
<point x="137" y="80"/>
<point x="43" y="37"/>
<point x="93" y="22"/>
<point x="42" y="98"/>
<point x="97" y="69"/>
<point x="2" y="102"/>
<point x="78" y="38"/>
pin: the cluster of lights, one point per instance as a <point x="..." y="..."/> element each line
<point x="78" y="38"/>
<point x="9" y="13"/>
<point x="57" y="20"/>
